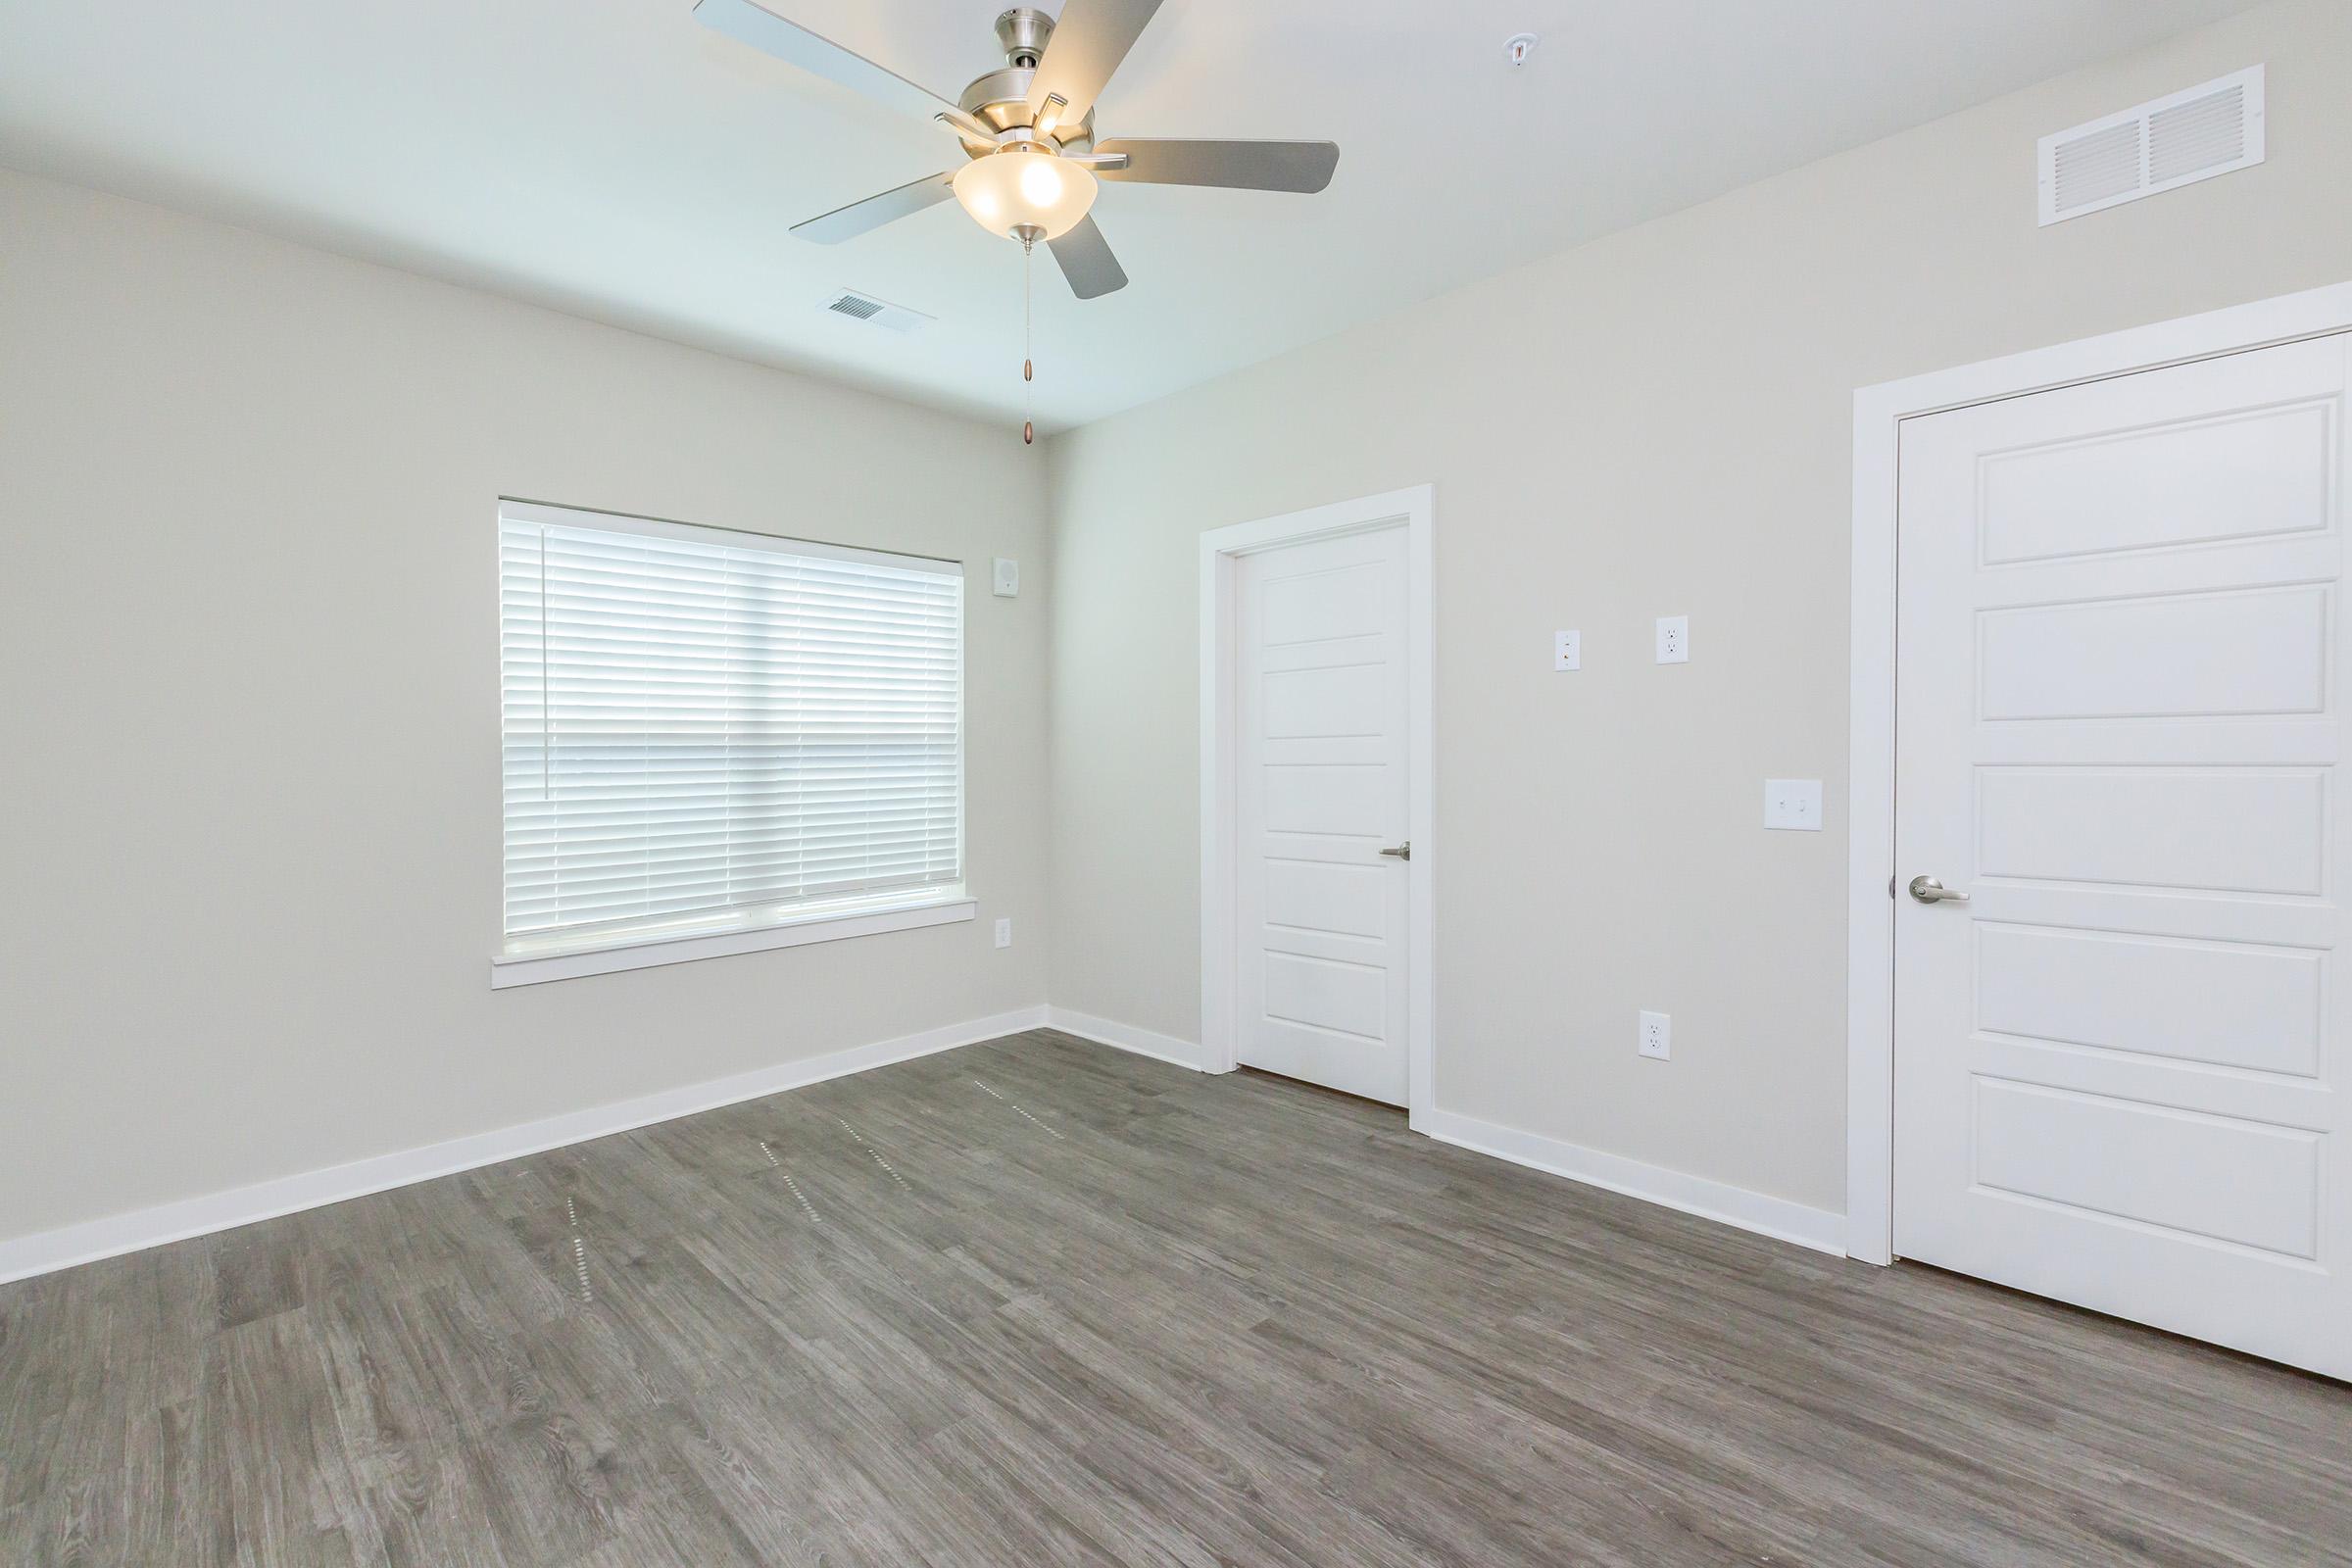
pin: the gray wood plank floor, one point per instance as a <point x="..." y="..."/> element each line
<point x="1037" y="1302"/>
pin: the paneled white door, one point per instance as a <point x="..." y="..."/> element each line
<point x="2121" y="1064"/>
<point x="1321" y="789"/>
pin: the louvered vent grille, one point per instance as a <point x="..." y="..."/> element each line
<point x="2207" y="130"/>
<point x="2202" y="134"/>
<point x="2102" y="165"/>
<point x="880" y="313"/>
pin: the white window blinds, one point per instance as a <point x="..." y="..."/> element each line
<point x="705" y="730"/>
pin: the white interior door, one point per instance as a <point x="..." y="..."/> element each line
<point x="1321" y="787"/>
<point x="2120" y="1066"/>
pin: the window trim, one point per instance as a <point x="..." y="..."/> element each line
<point x="532" y="960"/>
<point x="548" y="515"/>
<point x="616" y="951"/>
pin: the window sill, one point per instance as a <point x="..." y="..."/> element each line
<point x="613" y="954"/>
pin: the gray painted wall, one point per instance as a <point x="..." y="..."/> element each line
<point x="1657" y="424"/>
<point x="248" y="787"/>
<point x="249" y="667"/>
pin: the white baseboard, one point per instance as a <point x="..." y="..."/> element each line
<point x="1777" y="1217"/>
<point x="48" y="1250"/>
<point x="1126" y="1037"/>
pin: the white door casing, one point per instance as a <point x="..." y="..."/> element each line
<point x="1880" y="412"/>
<point x="2118" y="1068"/>
<point x="1226" y="556"/>
<point x="1321" y="789"/>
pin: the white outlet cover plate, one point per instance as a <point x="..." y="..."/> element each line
<point x="1003" y="933"/>
<point x="1567" y="650"/>
<point x="1656" y="1039"/>
<point x="1005" y="578"/>
<point x="1793" y="804"/>
<point x="1674" y="639"/>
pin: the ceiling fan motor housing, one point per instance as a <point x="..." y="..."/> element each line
<point x="1001" y="98"/>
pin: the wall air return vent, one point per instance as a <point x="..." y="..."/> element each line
<point x="2158" y="146"/>
<point x="880" y="313"/>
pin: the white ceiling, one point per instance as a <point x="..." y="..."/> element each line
<point x="616" y="159"/>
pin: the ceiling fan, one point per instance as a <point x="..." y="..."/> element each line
<point x="1028" y="132"/>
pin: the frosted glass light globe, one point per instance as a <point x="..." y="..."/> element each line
<point x="1010" y="191"/>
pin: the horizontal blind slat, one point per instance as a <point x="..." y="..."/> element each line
<point x="691" y="726"/>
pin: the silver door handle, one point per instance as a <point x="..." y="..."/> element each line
<point x="1402" y="852"/>
<point x="1926" y="889"/>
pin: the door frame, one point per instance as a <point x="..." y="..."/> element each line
<point x="1413" y="509"/>
<point x="1879" y="414"/>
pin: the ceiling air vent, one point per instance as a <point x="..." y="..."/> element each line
<point x="2158" y="146"/>
<point x="881" y="313"/>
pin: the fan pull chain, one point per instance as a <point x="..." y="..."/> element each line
<point x="1028" y="364"/>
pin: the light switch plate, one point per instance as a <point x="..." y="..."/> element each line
<point x="1794" y="804"/>
<point x="1003" y="933"/>
<point x="1674" y="639"/>
<point x="1004" y="581"/>
<point x="1567" y="650"/>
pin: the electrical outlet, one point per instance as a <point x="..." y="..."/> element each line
<point x="1003" y="933"/>
<point x="1567" y="650"/>
<point x="1674" y="639"/>
<point x="1656" y="1038"/>
<point x="1794" y="804"/>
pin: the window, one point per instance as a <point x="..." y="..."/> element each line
<point x="709" y="733"/>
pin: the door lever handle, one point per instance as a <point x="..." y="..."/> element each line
<point x="1402" y="852"/>
<point x="1926" y="889"/>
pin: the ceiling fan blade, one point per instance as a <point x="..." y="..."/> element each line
<point x="1088" y="43"/>
<point x="848" y="222"/>
<point x="754" y="24"/>
<point x="1305" y="166"/>
<point x="1085" y="258"/>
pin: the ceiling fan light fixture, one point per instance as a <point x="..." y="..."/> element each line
<point x="1022" y="187"/>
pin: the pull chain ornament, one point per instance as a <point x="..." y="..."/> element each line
<point x="1028" y="238"/>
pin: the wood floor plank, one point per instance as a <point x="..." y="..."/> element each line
<point x="1040" y="1302"/>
